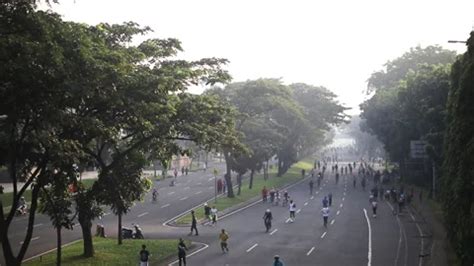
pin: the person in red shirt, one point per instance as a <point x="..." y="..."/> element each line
<point x="264" y="194"/>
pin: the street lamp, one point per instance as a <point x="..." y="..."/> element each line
<point x="215" y="185"/>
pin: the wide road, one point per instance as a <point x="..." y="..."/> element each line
<point x="352" y="237"/>
<point x="189" y="190"/>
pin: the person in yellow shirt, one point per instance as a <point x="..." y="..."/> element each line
<point x="224" y="237"/>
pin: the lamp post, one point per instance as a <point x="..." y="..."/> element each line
<point x="215" y="185"/>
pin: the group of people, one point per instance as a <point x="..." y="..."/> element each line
<point x="184" y="171"/>
<point x="275" y="196"/>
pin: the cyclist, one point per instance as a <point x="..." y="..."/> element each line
<point x="267" y="219"/>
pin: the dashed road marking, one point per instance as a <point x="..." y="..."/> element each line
<point x="288" y="220"/>
<point x="337" y="213"/>
<point x="312" y="197"/>
<point x="164" y="206"/>
<point x="344" y="193"/>
<point x="187" y="188"/>
<point x="143" y="214"/>
<point x="323" y="235"/>
<point x="210" y="179"/>
<point x="332" y="222"/>
<point x="340" y="205"/>
<point x="36" y="225"/>
<point x="199" y="183"/>
<point x="343" y="199"/>
<point x="171" y="193"/>
<point x="185" y="198"/>
<point x="252" y="247"/>
<point x="197" y="193"/>
<point x="274" y="231"/>
<point x="33" y="239"/>
<point x="309" y="252"/>
<point x="306" y="203"/>
<point x="298" y="211"/>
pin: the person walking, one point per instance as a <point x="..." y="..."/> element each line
<point x="374" y="208"/>
<point x="224" y="237"/>
<point x="292" y="208"/>
<point x="175" y="173"/>
<point x="182" y="252"/>
<point x="325" y="212"/>
<point x="214" y="215"/>
<point x="193" y="224"/>
<point x="144" y="256"/>
<point x="277" y="261"/>
<point x="311" y="185"/>
<point x="325" y="201"/>
<point x="207" y="212"/>
<point x="264" y="194"/>
<point x="330" y="199"/>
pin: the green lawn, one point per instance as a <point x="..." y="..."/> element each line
<point x="293" y="174"/>
<point x="7" y="198"/>
<point x="107" y="252"/>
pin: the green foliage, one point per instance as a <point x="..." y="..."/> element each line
<point x="457" y="186"/>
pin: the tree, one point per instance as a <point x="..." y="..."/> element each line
<point x="456" y="183"/>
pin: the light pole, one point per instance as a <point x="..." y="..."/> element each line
<point x="215" y="185"/>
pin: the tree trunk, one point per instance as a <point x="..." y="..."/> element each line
<point x="58" y="251"/>
<point x="227" y="176"/>
<point x="119" y="229"/>
<point x="86" y="227"/>
<point x="252" y="172"/>
<point x="280" y="167"/>
<point x="239" y="182"/>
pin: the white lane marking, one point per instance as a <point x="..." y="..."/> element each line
<point x="312" y="197"/>
<point x="197" y="193"/>
<point x="369" y="253"/>
<point x="210" y="179"/>
<point x="305" y="203"/>
<point x="344" y="193"/>
<point x="190" y="254"/>
<point x="143" y="214"/>
<point x="298" y="211"/>
<point x="332" y="222"/>
<point x="252" y="247"/>
<point x="343" y="199"/>
<point x="171" y="193"/>
<point x="36" y="225"/>
<point x="309" y="252"/>
<point x="166" y="205"/>
<point x="187" y="188"/>
<point x="185" y="198"/>
<point x="317" y="192"/>
<point x="420" y="260"/>
<point x="323" y="235"/>
<point x="199" y="183"/>
<point x="288" y="220"/>
<point x="33" y="239"/>
<point x="340" y="205"/>
<point x="274" y="231"/>
<point x="337" y="213"/>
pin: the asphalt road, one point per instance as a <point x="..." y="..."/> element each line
<point x="189" y="190"/>
<point x="394" y="240"/>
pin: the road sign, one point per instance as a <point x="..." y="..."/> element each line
<point x="417" y="149"/>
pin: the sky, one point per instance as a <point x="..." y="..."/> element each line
<point x="336" y="44"/>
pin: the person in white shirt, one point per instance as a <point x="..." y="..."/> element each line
<point x="292" y="208"/>
<point x="214" y="215"/>
<point x="325" y="212"/>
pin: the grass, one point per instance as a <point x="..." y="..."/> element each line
<point x="7" y="198"/>
<point x="293" y="174"/>
<point x="107" y="252"/>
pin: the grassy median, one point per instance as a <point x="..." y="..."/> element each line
<point x="293" y="174"/>
<point x="107" y="252"/>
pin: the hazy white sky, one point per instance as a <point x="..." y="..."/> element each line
<point x="336" y="44"/>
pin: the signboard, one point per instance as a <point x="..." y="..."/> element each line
<point x="417" y="149"/>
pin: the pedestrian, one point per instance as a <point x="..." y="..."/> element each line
<point x="374" y="208"/>
<point x="214" y="215"/>
<point x="267" y="220"/>
<point x="175" y="173"/>
<point x="219" y="186"/>
<point x="303" y="172"/>
<point x="330" y="199"/>
<point x="144" y="256"/>
<point x="207" y="212"/>
<point x="325" y="212"/>
<point x="186" y="171"/>
<point x="182" y="170"/>
<point x="224" y="185"/>
<point x="193" y="224"/>
<point x="325" y="201"/>
<point x="224" y="237"/>
<point x="292" y="208"/>
<point x="311" y="185"/>
<point x="277" y="261"/>
<point x="182" y="252"/>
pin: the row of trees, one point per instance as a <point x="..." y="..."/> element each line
<point x="426" y="94"/>
<point x="286" y="121"/>
<point x="74" y="94"/>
